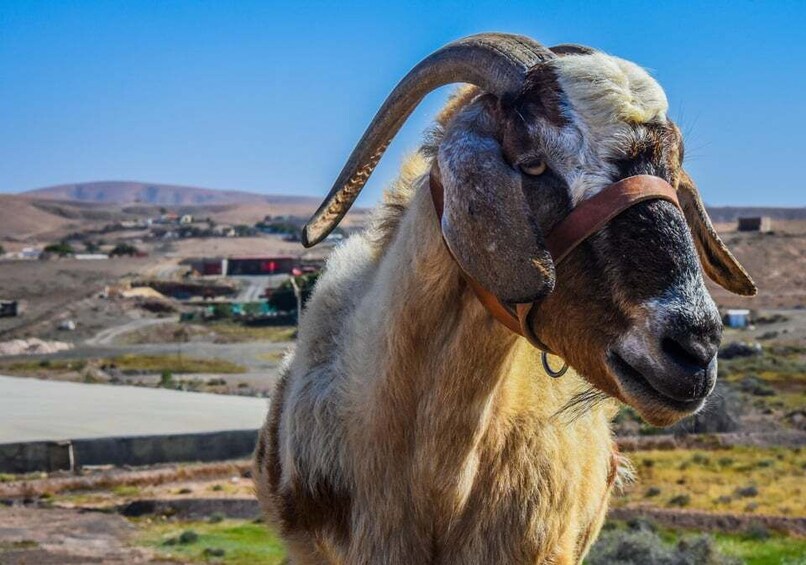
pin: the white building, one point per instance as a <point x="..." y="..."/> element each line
<point x="739" y="318"/>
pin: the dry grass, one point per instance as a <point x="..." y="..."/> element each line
<point x="40" y="484"/>
<point x="169" y="332"/>
<point x="130" y="363"/>
<point x="739" y="480"/>
<point x="236" y="333"/>
<point x="217" y="332"/>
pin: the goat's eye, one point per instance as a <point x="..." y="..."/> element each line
<point x="533" y="168"/>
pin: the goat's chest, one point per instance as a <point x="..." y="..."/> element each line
<point x="538" y="499"/>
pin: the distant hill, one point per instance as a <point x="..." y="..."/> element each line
<point x="53" y="212"/>
<point x="721" y="214"/>
<point x="156" y="194"/>
<point x="21" y="218"/>
<point x="130" y="192"/>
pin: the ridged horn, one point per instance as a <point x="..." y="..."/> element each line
<point x="572" y="49"/>
<point x="495" y="62"/>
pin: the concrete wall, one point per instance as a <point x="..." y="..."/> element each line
<point x="142" y="450"/>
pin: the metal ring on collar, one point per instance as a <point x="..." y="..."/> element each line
<point x="544" y="358"/>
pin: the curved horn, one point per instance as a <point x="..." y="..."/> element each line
<point x="571" y="49"/>
<point x="495" y="62"/>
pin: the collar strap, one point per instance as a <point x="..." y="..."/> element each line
<point x="593" y="214"/>
<point x="586" y="219"/>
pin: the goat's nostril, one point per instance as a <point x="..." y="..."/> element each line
<point x="689" y="352"/>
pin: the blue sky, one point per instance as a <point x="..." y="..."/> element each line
<point x="271" y="97"/>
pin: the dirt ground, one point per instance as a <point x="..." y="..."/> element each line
<point x="50" y="291"/>
<point x="775" y="261"/>
<point x="69" y="519"/>
<point x="64" y="535"/>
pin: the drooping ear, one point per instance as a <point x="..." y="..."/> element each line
<point x="717" y="261"/>
<point x="487" y="222"/>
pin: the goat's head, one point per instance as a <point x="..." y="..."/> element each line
<point x="628" y="308"/>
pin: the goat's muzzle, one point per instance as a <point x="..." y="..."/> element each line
<point x="666" y="365"/>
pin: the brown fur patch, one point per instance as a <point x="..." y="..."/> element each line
<point x="321" y="508"/>
<point x="542" y="95"/>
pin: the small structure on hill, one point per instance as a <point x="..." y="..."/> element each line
<point x="737" y="318"/>
<point x="30" y="253"/>
<point x="8" y="308"/>
<point x="761" y="224"/>
<point x="91" y="256"/>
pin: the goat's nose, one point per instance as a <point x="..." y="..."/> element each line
<point x="690" y="350"/>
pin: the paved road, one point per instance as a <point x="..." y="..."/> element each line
<point x="33" y="410"/>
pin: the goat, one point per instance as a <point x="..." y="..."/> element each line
<point x="409" y="426"/>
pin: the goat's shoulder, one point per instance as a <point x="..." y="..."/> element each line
<point x="339" y="289"/>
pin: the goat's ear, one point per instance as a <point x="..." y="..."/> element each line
<point x="717" y="261"/>
<point x="487" y="222"/>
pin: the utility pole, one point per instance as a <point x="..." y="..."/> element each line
<point x="298" y="296"/>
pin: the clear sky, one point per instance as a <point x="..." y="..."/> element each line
<point x="270" y="97"/>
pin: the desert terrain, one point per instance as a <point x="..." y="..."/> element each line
<point x="121" y="301"/>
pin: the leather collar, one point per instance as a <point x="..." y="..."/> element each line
<point x="583" y="221"/>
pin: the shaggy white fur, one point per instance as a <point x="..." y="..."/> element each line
<point x="607" y="98"/>
<point x="605" y="90"/>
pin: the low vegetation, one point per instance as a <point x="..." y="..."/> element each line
<point x="228" y="541"/>
<point x="772" y="381"/>
<point x="122" y="249"/>
<point x="174" y="364"/>
<point x="62" y="249"/>
<point x="741" y="480"/>
<point x="641" y="542"/>
<point x="216" y="332"/>
<point x="126" y="364"/>
<point x="636" y="543"/>
<point x="236" y="333"/>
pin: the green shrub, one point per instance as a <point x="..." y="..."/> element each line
<point x="61" y="249"/>
<point x="757" y="532"/>
<point x="680" y="500"/>
<point x="700" y="459"/>
<point x="166" y="379"/>
<point x="652" y="491"/>
<point x="123" y="249"/>
<point x="645" y="547"/>
<point x="747" y="491"/>
<point x="188" y="536"/>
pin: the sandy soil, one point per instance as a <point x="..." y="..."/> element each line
<point x="54" y="290"/>
<point x="777" y="263"/>
<point x="229" y="246"/>
<point x="58" y="535"/>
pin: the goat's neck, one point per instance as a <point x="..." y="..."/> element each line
<point x="440" y="389"/>
<point x="447" y="368"/>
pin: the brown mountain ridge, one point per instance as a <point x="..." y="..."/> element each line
<point x="131" y="192"/>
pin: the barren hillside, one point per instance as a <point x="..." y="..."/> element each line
<point x="777" y="263"/>
<point x="53" y="212"/>
<point x="130" y="192"/>
<point x="21" y="219"/>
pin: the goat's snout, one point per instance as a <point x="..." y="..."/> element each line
<point x="670" y="357"/>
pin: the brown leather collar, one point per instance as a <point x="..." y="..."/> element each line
<point x="586" y="219"/>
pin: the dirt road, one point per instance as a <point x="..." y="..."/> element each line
<point x="109" y="335"/>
